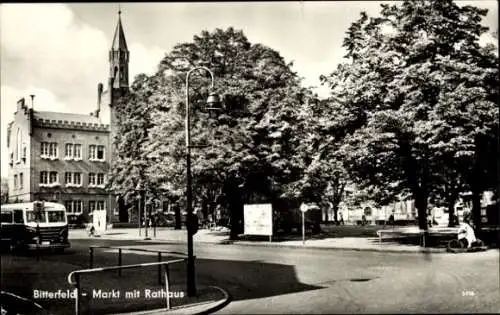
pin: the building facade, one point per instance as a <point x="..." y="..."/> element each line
<point x="65" y="157"/>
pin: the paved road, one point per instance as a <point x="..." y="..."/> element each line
<point x="283" y="280"/>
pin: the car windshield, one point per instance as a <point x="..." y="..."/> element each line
<point x="6" y="216"/>
<point x="56" y="216"/>
<point x="30" y="216"/>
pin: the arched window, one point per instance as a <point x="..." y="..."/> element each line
<point x="19" y="144"/>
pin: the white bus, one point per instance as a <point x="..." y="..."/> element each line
<point x="34" y="225"/>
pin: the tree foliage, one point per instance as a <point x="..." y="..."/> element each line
<point x="253" y="148"/>
<point x="420" y="92"/>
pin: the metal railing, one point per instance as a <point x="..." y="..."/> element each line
<point x="120" y="254"/>
<point x="78" y="273"/>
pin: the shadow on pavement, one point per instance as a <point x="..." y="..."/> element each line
<point x="23" y="274"/>
<point x="13" y="304"/>
<point x="251" y="279"/>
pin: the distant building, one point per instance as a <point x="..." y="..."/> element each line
<point x="4" y="197"/>
<point x="65" y="157"/>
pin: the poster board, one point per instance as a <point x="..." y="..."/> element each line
<point x="99" y="221"/>
<point x="258" y="219"/>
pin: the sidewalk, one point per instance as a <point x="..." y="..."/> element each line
<point x="210" y="301"/>
<point x="167" y="235"/>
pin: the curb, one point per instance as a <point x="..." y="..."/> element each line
<point x="306" y="247"/>
<point x="218" y="305"/>
<point x="375" y="249"/>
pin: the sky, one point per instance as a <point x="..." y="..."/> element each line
<point x="59" y="52"/>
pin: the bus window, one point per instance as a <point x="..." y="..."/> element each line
<point x="6" y="216"/>
<point x="18" y="216"/>
<point x="56" y="216"/>
<point x="31" y="217"/>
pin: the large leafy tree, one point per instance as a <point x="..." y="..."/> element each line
<point x="323" y="177"/>
<point x="251" y="146"/>
<point x="128" y="176"/>
<point x="418" y="88"/>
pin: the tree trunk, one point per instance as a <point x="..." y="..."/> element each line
<point x="122" y="210"/>
<point x="452" y="198"/>
<point x="235" y="207"/>
<point x="178" y="219"/>
<point x="476" y="212"/>
<point x="421" y="205"/>
<point x="335" y="213"/>
<point x="235" y="215"/>
<point x="204" y="207"/>
<point x="476" y="184"/>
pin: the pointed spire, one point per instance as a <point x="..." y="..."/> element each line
<point x="119" y="42"/>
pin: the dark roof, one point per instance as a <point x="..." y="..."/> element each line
<point x="119" y="42"/>
<point x="67" y="117"/>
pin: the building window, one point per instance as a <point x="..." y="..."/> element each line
<point x="77" y="152"/>
<point x="53" y="149"/>
<point x="96" y="205"/>
<point x="92" y="152"/>
<point x="18" y="144"/>
<point x="21" y="181"/>
<point x="68" y="152"/>
<point x="44" y="151"/>
<point x="53" y="178"/>
<point x="68" y="178"/>
<point x="100" y="152"/>
<point x="49" y="150"/>
<point x="100" y="179"/>
<point x="73" y="151"/>
<point x="100" y="205"/>
<point x="92" y="206"/>
<point x="77" y="179"/>
<point x="73" y="179"/>
<point x="92" y="179"/>
<point x="24" y="154"/>
<point x="15" y="181"/>
<point x="96" y="152"/>
<point x="69" y="206"/>
<point x="77" y="206"/>
<point x="44" y="177"/>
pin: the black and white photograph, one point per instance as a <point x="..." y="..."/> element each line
<point x="250" y="157"/>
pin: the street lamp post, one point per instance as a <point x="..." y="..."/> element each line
<point x="146" y="217"/>
<point x="211" y="101"/>
<point x="142" y="207"/>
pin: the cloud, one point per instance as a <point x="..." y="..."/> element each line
<point x="48" y="52"/>
<point x="487" y="38"/>
<point x="45" y="45"/>
<point x="144" y="60"/>
<point x="45" y="100"/>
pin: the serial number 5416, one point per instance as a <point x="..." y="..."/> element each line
<point x="468" y="293"/>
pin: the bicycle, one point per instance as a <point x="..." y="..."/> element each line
<point x="460" y="246"/>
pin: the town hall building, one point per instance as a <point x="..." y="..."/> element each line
<point x="66" y="157"/>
